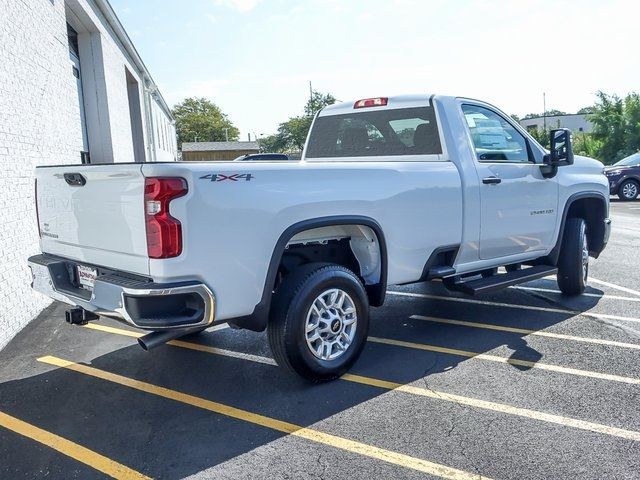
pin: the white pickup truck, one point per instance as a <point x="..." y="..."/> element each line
<point x="390" y="190"/>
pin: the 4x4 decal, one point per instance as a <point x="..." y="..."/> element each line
<point x="221" y="177"/>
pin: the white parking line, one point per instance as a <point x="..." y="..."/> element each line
<point x="526" y="331"/>
<point x="220" y="326"/>
<point x="510" y="361"/>
<point x="512" y="305"/>
<point x="613" y="285"/>
<point x="585" y="294"/>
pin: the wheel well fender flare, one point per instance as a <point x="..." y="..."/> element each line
<point x="257" y="321"/>
<point x="576" y="197"/>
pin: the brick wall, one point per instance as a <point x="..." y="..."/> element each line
<point x="40" y="125"/>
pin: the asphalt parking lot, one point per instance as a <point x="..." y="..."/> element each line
<point x="521" y="384"/>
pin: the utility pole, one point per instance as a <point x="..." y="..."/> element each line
<point x="226" y="134"/>
<point x="544" y="110"/>
<point x="310" y="92"/>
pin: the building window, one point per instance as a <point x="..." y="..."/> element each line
<point x="72" y="37"/>
<point x="74" y="56"/>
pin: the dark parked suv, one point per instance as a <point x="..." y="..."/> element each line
<point x="624" y="177"/>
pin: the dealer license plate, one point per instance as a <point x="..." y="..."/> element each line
<point x="86" y="277"/>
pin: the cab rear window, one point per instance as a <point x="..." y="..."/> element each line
<point x="402" y="131"/>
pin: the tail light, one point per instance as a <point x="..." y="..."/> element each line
<point x="37" y="213"/>
<point x="371" y="102"/>
<point x="164" y="233"/>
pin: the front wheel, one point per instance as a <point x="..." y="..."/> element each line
<point x="319" y="321"/>
<point x="573" y="265"/>
<point x="628" y="191"/>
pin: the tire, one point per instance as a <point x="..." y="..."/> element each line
<point x="573" y="264"/>
<point x="629" y="190"/>
<point x="296" y="305"/>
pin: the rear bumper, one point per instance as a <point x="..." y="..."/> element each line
<point x="135" y="300"/>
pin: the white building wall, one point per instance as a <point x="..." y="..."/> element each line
<point x="40" y="125"/>
<point x="574" y="122"/>
<point x="165" y="134"/>
<point x="114" y="62"/>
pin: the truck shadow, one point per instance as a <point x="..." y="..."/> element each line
<point x="165" y="438"/>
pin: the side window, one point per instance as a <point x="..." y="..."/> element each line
<point x="494" y="138"/>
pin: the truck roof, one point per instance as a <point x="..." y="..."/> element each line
<point x="396" y="101"/>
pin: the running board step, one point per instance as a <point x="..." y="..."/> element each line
<point x="503" y="280"/>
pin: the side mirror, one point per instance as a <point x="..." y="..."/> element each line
<point x="561" y="150"/>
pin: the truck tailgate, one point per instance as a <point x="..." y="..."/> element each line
<point x="94" y="214"/>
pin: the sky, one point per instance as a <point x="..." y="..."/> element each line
<point x="255" y="58"/>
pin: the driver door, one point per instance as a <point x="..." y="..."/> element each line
<point x="518" y="206"/>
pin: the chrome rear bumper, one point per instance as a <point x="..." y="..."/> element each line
<point x="134" y="300"/>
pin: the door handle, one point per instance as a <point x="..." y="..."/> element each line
<point x="491" y="180"/>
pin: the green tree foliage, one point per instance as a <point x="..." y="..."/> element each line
<point x="541" y="135"/>
<point x="317" y="102"/>
<point x="616" y="126"/>
<point x="549" y="113"/>
<point x="199" y="119"/>
<point x="585" y="144"/>
<point x="293" y="133"/>
<point x="632" y="123"/>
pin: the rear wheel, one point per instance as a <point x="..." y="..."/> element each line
<point x="573" y="265"/>
<point x="319" y="321"/>
<point x="628" y="190"/>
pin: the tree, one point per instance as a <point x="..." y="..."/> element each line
<point x="549" y="113"/>
<point x="585" y="144"/>
<point x="616" y="128"/>
<point x="317" y="102"/>
<point x="608" y="126"/>
<point x="541" y="135"/>
<point x="292" y="134"/>
<point x="632" y="123"/>
<point x="200" y="120"/>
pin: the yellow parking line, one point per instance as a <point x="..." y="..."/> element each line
<point x="539" y="333"/>
<point x="69" y="448"/>
<point x="511" y="361"/>
<point x="352" y="446"/>
<point x="183" y="344"/>
<point x="438" y="395"/>
<point x="514" y="305"/>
